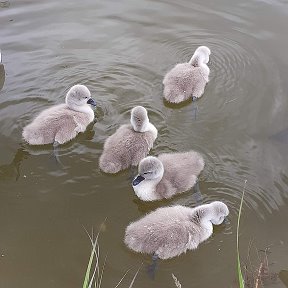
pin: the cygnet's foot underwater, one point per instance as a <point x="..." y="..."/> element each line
<point x="151" y="269"/>
<point x="194" y="110"/>
<point x="55" y="153"/>
<point x="197" y="196"/>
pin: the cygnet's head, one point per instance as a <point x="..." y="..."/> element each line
<point x="139" y="118"/>
<point x="150" y="168"/>
<point x="79" y="95"/>
<point x="219" y="212"/>
<point x="201" y="55"/>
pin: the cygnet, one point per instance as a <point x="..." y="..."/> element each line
<point x="129" y="144"/>
<point x="170" y="231"/>
<point x="187" y="80"/>
<point x="167" y="175"/>
<point x="61" y="123"/>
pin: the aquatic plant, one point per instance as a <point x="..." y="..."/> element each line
<point x="258" y="275"/>
<point x="94" y="272"/>
<point x="239" y="271"/>
<point x="97" y="275"/>
<point x="177" y="282"/>
<point x="253" y="276"/>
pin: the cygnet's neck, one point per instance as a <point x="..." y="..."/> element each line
<point x="81" y="108"/>
<point x="147" y="126"/>
<point x="201" y="217"/>
<point x="204" y="213"/>
<point x="198" y="60"/>
<point x="151" y="128"/>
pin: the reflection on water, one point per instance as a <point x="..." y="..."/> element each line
<point x="121" y="51"/>
<point x="12" y="170"/>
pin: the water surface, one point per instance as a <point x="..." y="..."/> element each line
<point x="121" y="51"/>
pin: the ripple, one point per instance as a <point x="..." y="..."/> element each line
<point x="235" y="64"/>
<point x="121" y="51"/>
<point x="265" y="189"/>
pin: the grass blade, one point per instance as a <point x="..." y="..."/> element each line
<point x="177" y="282"/>
<point x="96" y="266"/>
<point x="94" y="254"/>
<point x="239" y="271"/>
<point x="133" y="280"/>
<point x="122" y="278"/>
<point x="102" y="271"/>
<point x="87" y="274"/>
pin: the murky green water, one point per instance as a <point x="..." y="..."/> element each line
<point x="121" y="51"/>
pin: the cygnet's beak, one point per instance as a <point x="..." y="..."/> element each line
<point x="226" y="221"/>
<point x="137" y="180"/>
<point x="92" y="102"/>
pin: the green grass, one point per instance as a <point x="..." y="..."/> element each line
<point x="239" y="271"/>
<point x="94" y="272"/>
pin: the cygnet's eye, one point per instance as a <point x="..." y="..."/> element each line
<point x="86" y="97"/>
<point x="149" y="172"/>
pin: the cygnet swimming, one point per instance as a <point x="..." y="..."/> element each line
<point x="187" y="80"/>
<point x="129" y="144"/>
<point x="61" y="123"/>
<point x="170" y="231"/>
<point x="167" y="175"/>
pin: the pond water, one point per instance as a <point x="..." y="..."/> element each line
<point x="121" y="50"/>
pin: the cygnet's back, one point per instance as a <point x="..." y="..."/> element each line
<point x="180" y="171"/>
<point x="188" y="80"/>
<point x="62" y="122"/>
<point x="129" y="144"/>
<point x="171" y="231"/>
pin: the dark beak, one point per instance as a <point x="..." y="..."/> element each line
<point x="226" y="220"/>
<point x="137" y="180"/>
<point x="91" y="102"/>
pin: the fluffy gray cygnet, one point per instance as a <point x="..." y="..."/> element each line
<point x="170" y="231"/>
<point x="187" y="80"/>
<point x="129" y="144"/>
<point x="167" y="175"/>
<point x="61" y="123"/>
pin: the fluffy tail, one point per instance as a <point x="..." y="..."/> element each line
<point x="108" y="166"/>
<point x="198" y="164"/>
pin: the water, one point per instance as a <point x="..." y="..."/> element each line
<point x="121" y="51"/>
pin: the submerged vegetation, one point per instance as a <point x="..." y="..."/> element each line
<point x="254" y="275"/>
